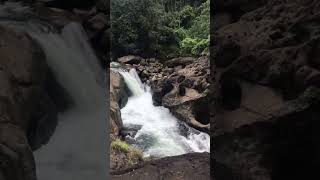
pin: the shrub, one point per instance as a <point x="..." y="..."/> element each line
<point x="202" y="45"/>
<point x="132" y="154"/>
<point x="152" y="28"/>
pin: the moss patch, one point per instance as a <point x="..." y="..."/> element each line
<point x="123" y="154"/>
<point x="119" y="145"/>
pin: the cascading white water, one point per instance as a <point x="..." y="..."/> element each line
<point x="133" y="82"/>
<point x="160" y="133"/>
<point x="77" y="149"/>
<point x="75" y="66"/>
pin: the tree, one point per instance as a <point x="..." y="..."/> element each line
<point x="159" y="27"/>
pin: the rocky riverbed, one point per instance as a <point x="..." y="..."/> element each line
<point x="179" y="84"/>
<point x="31" y="97"/>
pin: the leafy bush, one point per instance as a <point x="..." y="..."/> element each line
<point x="194" y="46"/>
<point x="186" y="15"/>
<point x="159" y="27"/>
<point x="187" y="44"/>
<point x="201" y="46"/>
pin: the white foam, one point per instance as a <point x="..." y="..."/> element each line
<point x="160" y="135"/>
<point x="81" y="132"/>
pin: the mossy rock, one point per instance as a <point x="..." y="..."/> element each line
<point x="124" y="155"/>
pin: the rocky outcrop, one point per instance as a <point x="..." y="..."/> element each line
<point x="27" y="111"/>
<point x="186" y="167"/>
<point x="130" y="59"/>
<point x="93" y="15"/>
<point x="180" y="84"/>
<point x="122" y="155"/>
<point x="267" y="96"/>
<point x="118" y="98"/>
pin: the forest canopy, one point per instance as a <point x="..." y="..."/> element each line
<point x="160" y="27"/>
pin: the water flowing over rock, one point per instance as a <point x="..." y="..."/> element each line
<point x="160" y="133"/>
<point x="181" y="85"/>
<point x="69" y="56"/>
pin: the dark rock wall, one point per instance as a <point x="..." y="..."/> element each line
<point x="267" y="89"/>
<point x="27" y="112"/>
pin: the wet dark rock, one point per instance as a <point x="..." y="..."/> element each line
<point x="187" y="167"/>
<point x="28" y="114"/>
<point x="130" y="130"/>
<point x="226" y="53"/>
<point x="182" y="88"/>
<point x="98" y="23"/>
<point x="180" y="61"/>
<point x="130" y="59"/>
<point x="160" y="90"/>
<point x="266" y="96"/>
<point x="118" y="97"/>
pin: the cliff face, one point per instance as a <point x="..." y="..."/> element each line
<point x="30" y="97"/>
<point x="117" y="93"/>
<point x="267" y="93"/>
<point x="27" y="110"/>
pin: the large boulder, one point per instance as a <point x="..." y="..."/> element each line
<point x="130" y="59"/>
<point x="266" y="150"/>
<point x="27" y="112"/>
<point x="180" y="61"/>
<point x="187" y="167"/>
<point x="182" y="85"/>
<point x="266" y="92"/>
<point x="15" y="153"/>
<point x="118" y="98"/>
<point x="122" y="155"/>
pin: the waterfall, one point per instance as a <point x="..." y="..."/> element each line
<point x="80" y="135"/>
<point x="133" y="82"/>
<point x="77" y="149"/>
<point x="161" y="134"/>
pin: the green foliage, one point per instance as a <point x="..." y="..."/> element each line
<point x="160" y="27"/>
<point x="186" y="15"/>
<point x="187" y="44"/>
<point x="120" y="146"/>
<point x="194" y="46"/>
<point x="132" y="153"/>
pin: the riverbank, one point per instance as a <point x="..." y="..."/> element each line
<point x="38" y="91"/>
<point x="190" y="68"/>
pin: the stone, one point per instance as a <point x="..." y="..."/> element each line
<point x="28" y="113"/>
<point x="265" y="97"/>
<point x="187" y="167"/>
<point x="180" y="61"/>
<point x="98" y="23"/>
<point x="130" y="59"/>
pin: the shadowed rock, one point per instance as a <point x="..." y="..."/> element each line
<point x="184" y="167"/>
<point x="267" y="98"/>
